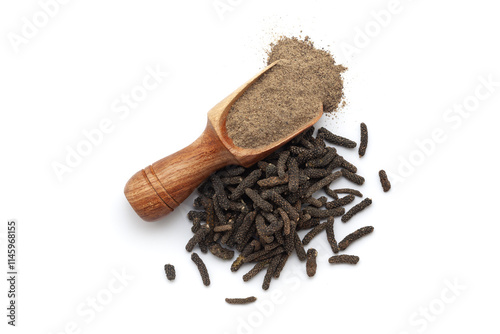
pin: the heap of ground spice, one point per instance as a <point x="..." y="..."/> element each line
<point x="288" y="96"/>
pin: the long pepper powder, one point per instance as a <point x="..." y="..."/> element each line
<point x="287" y="96"/>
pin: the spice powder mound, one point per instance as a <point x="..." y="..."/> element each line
<point x="287" y="96"/>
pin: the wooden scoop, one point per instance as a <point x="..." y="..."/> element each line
<point x="158" y="189"/>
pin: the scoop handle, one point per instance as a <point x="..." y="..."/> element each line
<point x="158" y="189"/>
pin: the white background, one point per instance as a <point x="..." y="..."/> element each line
<point x="437" y="227"/>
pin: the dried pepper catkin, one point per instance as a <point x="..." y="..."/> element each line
<point x="260" y="223"/>
<point x="271" y="170"/>
<point x="384" y="180"/>
<point x="311" y="264"/>
<point x="201" y="268"/>
<point x="245" y="227"/>
<point x="356" y="209"/>
<point x="293" y="175"/>
<point x="330" y="235"/>
<point x="281" y="265"/>
<point x="196" y="226"/>
<point x="355" y="236"/>
<point x="286" y="221"/>
<point x="219" y="191"/>
<point x="276" y="224"/>
<point x="335" y="139"/>
<point x="270" y="254"/>
<point x="281" y="165"/>
<point x="258" y="201"/>
<point x="255" y="270"/>
<point x="320" y="213"/>
<point x="315" y="152"/>
<point x="314" y="202"/>
<point x="247" y="182"/>
<point x="240" y="301"/>
<point x="209" y="208"/>
<point x="258" y="210"/>
<point x="349" y="259"/>
<point x="255" y="256"/>
<point x="348" y="191"/>
<point x="221" y="218"/>
<point x="290" y="238"/>
<point x="330" y="192"/>
<point x="273" y="181"/>
<point x="340" y="202"/>
<point x="299" y="248"/>
<point x="316" y="173"/>
<point x="284" y="204"/>
<point x="230" y="180"/>
<point x="197" y="216"/>
<point x="223" y="228"/>
<point x="324" y="160"/>
<point x="170" y="272"/>
<point x="355" y="178"/>
<point x="364" y="139"/>
<point x="236" y="265"/>
<point x="270" y="272"/>
<point x="197" y="237"/>
<point x="221" y="252"/>
<point x="306" y="143"/>
<point x="307" y="223"/>
<point x="339" y="161"/>
<point x="312" y="233"/>
<point x="297" y="150"/>
<point x="234" y="170"/>
<point x="322" y="183"/>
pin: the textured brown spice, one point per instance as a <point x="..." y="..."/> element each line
<point x="281" y="265"/>
<point x="355" y="178"/>
<point x="258" y="201"/>
<point x="170" y="272"/>
<point x="359" y="233"/>
<point x="299" y="248"/>
<point x="384" y="180"/>
<point x="311" y="264"/>
<point x="255" y="270"/>
<point x="223" y="228"/>
<point x="330" y="235"/>
<point x="270" y="272"/>
<point x="240" y="301"/>
<point x="348" y="191"/>
<point x="340" y="202"/>
<point x="197" y="237"/>
<point x="364" y="140"/>
<point x="282" y="163"/>
<point x="356" y="209"/>
<point x="287" y="96"/>
<point x="319" y="213"/>
<point x="197" y="216"/>
<point x="322" y="183"/>
<point x="312" y="233"/>
<point x="201" y="268"/>
<point x="335" y="139"/>
<point x="265" y="212"/>
<point x="221" y="252"/>
<point x="237" y="263"/>
<point x="349" y="259"/>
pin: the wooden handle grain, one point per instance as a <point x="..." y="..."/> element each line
<point x="158" y="189"/>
